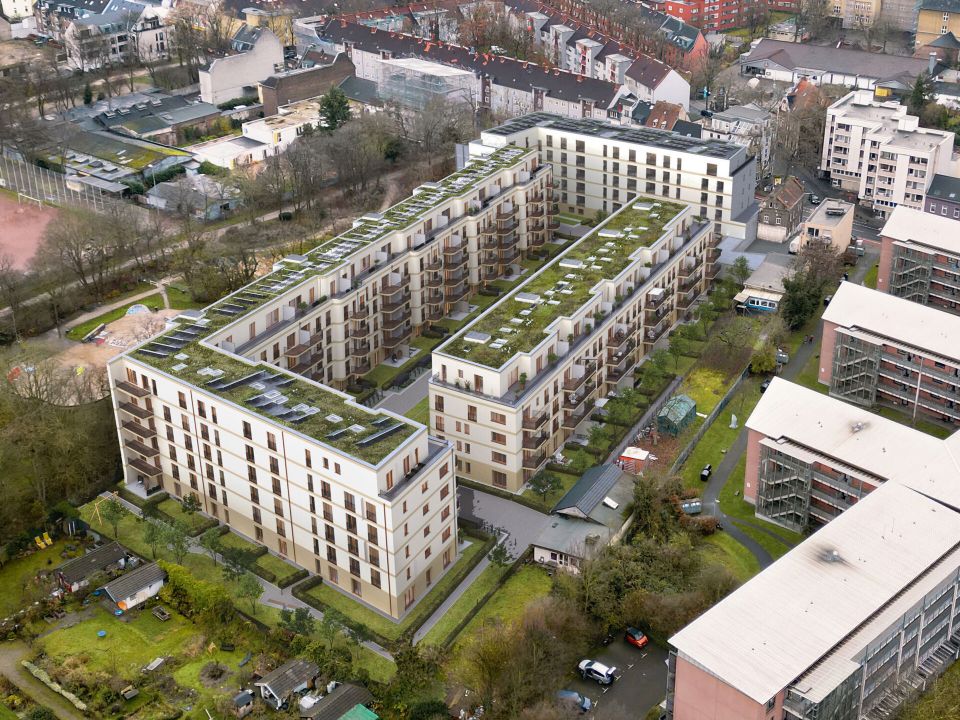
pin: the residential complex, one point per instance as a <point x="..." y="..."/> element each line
<point x="878" y="151"/>
<point x="510" y="388"/>
<point x="878" y="348"/>
<point x="920" y="258"/>
<point x="599" y="166"/>
<point x="228" y="405"/>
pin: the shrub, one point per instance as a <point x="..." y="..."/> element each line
<point x="208" y="168"/>
<point x="237" y="102"/>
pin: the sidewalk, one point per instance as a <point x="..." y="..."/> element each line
<point x="272" y="595"/>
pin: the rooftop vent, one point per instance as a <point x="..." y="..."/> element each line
<point x="857" y="427"/>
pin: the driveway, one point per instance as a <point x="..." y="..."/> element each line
<point x="642" y="680"/>
<point x="523" y="524"/>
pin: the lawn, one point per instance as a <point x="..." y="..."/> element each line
<point x="720" y="436"/>
<point x="462" y="607"/>
<point x="195" y="522"/>
<point x="870" y="279"/>
<point x="567" y="219"/>
<point x="280" y="568"/>
<point x="188" y="676"/>
<point x="922" y="424"/>
<point x="566" y="482"/>
<point x="380" y="669"/>
<point x="939" y="702"/>
<point x="705" y="386"/>
<point x="420" y="412"/>
<point x="130" y="642"/>
<point x="326" y="596"/>
<point x="77" y="332"/>
<point x="724" y="549"/>
<point x="7" y="714"/>
<point x="180" y="299"/>
<point x="524" y="587"/>
<point x="809" y="375"/>
<point x="18" y="573"/>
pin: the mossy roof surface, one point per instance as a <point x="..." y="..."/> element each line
<point x="561" y="291"/>
<point x="127" y="153"/>
<point x="185" y="357"/>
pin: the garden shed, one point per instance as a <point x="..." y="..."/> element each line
<point x="678" y="412"/>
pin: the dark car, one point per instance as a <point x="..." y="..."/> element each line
<point x="764" y="385"/>
<point x="636" y="637"/>
<point x="827" y="299"/>
<point x="593" y="670"/>
<point x="706" y="472"/>
<point x="814" y="199"/>
<point x="573" y="698"/>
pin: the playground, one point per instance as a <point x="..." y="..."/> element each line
<point x="23" y="225"/>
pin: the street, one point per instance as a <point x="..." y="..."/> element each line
<point x="642" y="680"/>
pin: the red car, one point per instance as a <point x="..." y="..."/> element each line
<point x="636" y="637"/>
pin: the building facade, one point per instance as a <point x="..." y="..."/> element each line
<point x="748" y="125"/>
<point x="878" y="151"/>
<point x="599" y="166"/>
<point x="881" y="349"/>
<point x="237" y="75"/>
<point x="920" y="259"/>
<point x="936" y="18"/>
<point x="830" y="223"/>
<point x="781" y="211"/>
<point x="235" y="405"/>
<point x="510" y="388"/>
<point x="943" y="197"/>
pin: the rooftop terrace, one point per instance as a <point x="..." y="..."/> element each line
<point x="650" y="137"/>
<point x="328" y="416"/>
<point x="517" y="323"/>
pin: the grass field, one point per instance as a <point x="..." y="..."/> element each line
<point x="720" y="436"/>
<point x="420" y="412"/>
<point x="17" y="574"/>
<point x="180" y="299"/>
<point x="939" y="702"/>
<point x="736" y="557"/>
<point x="462" y="607"/>
<point x="8" y="714"/>
<point x="705" y="386"/>
<point x="921" y="424"/>
<point x="195" y="522"/>
<point x="870" y="279"/>
<point x="382" y="625"/>
<point x="527" y="585"/>
<point x="77" y="332"/>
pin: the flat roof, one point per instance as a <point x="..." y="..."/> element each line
<point x="916" y="226"/>
<point x="278" y="395"/>
<point x="651" y="137"/>
<point x="823" y="590"/>
<point x="895" y="318"/>
<point x="428" y="67"/>
<point x="820" y="217"/>
<point x="563" y="286"/>
<point x="770" y="273"/>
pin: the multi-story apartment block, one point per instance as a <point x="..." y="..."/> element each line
<point x="920" y="258"/>
<point x="714" y="15"/>
<point x="881" y="349"/>
<point x="599" y="166"/>
<point x="228" y="405"/>
<point x="936" y="18"/>
<point x="848" y="625"/>
<point x="881" y="153"/>
<point x="748" y="125"/>
<point x="512" y="386"/>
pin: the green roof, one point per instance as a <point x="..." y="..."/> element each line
<point x="565" y="285"/>
<point x="359" y="712"/>
<point x="127" y="152"/>
<point x="315" y="410"/>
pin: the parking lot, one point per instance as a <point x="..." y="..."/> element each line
<point x="642" y="680"/>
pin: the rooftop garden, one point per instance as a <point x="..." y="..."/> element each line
<point x="563" y="286"/>
<point x="201" y="364"/>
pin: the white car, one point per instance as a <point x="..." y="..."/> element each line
<point x="592" y="670"/>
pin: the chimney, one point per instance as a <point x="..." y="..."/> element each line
<point x="932" y="64"/>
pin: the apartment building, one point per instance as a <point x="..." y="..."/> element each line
<point x="943" y="197"/>
<point x="510" y="388"/>
<point x="881" y="349"/>
<point x="748" y="125"/>
<point x="599" y="166"/>
<point x="234" y="404"/>
<point x="831" y="223"/>
<point x="878" y="151"/>
<point x="920" y="258"/>
<point x="848" y="625"/>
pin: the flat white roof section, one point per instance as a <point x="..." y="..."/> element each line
<point x="909" y="225"/>
<point x="778" y="625"/>
<point x="908" y="323"/>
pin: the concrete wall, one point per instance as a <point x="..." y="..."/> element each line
<point x="886" y="264"/>
<point x="234" y="76"/>
<point x="702" y="696"/>
<point x="827" y="345"/>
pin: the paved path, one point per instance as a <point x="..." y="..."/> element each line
<point x="401" y="402"/>
<point x="272" y="595"/>
<point x="11" y="653"/>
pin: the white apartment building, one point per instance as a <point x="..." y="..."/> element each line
<point x="512" y="386"/>
<point x="881" y="153"/>
<point x="748" y="125"/>
<point x="230" y="404"/>
<point x="599" y="166"/>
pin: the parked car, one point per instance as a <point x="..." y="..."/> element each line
<point x="706" y="472"/>
<point x="636" y="637"/>
<point x="827" y="299"/>
<point x="814" y="199"/>
<point x="782" y="357"/>
<point x="593" y="670"/>
<point x="572" y="697"/>
<point x="764" y="385"/>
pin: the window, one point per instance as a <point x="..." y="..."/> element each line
<point x="325" y="490"/>
<point x="333" y="575"/>
<point x="328" y="512"/>
<point x="445" y="468"/>
<point x="498" y="418"/>
<point x="499" y="479"/>
<point x="336" y="468"/>
<point x="328" y="533"/>
<point x="349" y="502"/>
<point x="426" y="508"/>
<point x="272" y="441"/>
<point x="352" y="524"/>
<point x="446" y="534"/>
<point x="274" y="466"/>
<point x="426" y="531"/>
<point x="276" y="486"/>
<point x="373" y="557"/>
<point x="307" y="459"/>
<point x="424" y="486"/>
<point x="247" y="430"/>
<point x="498" y="458"/>
<point x="372" y="534"/>
<point x="254" y="495"/>
<point x="445" y="513"/>
<point x="354" y="567"/>
<point x="471" y="413"/>
<point x="438" y="403"/>
<point x="498" y="438"/>
<point x="375" y="578"/>
<point x="331" y="554"/>
<point x="353" y="546"/>
<point x="444" y="491"/>
<point x="182" y="400"/>
<point x="256" y="515"/>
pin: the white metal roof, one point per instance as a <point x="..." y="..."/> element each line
<point x="778" y="625"/>
<point x="910" y="225"/>
<point x="888" y="316"/>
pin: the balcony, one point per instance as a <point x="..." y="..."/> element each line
<point x="506" y="214"/>
<point x="656" y="332"/>
<point x="536" y="239"/>
<point x="574" y="418"/>
<point x="393" y="322"/>
<point x="505" y="228"/>
<point x="361" y="312"/>
<point x="457" y="292"/>
<point x="433" y="315"/>
<point x="360" y="330"/>
<point x="392" y="290"/>
<point x="535" y="197"/>
<point x="453" y="256"/>
<point x="713" y="269"/>
<point x="141" y="448"/>
<point x="554" y="224"/>
<point x="687" y="268"/>
<point x="434" y="281"/>
<point x="654" y="315"/>
<point x="489" y="272"/>
<point x="490" y="260"/>
<point x="508" y="255"/>
<point x="396" y="302"/>
<point x="303" y="367"/>
<point x="532" y="422"/>
<point x="490" y="243"/>
<point x="534" y="461"/>
<point x="537" y="213"/>
<point x="687" y="299"/>
<point x="397" y="339"/>
<point x="139" y="430"/>
<point x="617" y="356"/>
<point x="136" y="410"/>
<point x="144" y="468"/>
<point x="573" y="383"/>
<point x="713" y="254"/>
<point x="131" y="389"/>
<point x="434" y="298"/>
<point x="433" y="266"/>
<point x="360" y="349"/>
<point x="656" y="300"/>
<point x="359" y="367"/>
<point x="534" y="442"/>
<point x="618" y="339"/>
<point x="296" y="351"/>
<point x="575" y="400"/>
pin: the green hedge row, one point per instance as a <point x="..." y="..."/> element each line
<point x="140" y="502"/>
<point x="301" y="591"/>
<point x="291" y="579"/>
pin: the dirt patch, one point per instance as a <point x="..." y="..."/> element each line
<point x="214" y="675"/>
<point x="117" y="337"/>
<point x="23" y="226"/>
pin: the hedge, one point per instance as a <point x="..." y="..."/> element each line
<point x="294" y="578"/>
<point x="141" y="502"/>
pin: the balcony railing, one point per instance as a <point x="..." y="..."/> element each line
<point x="575" y="400"/>
<point x="360" y="367"/>
<point x="136" y="410"/>
<point x="534" y="442"/>
<point x="361" y="312"/>
<point x="506" y="214"/>
<point x="434" y="298"/>
<point x="360" y="330"/>
<point x="457" y="292"/>
<point x="687" y="299"/>
<point x="392" y="341"/>
<point x="297" y="350"/>
<point x="655" y="333"/>
<point x="573" y="418"/>
<point x="433" y="315"/>
<point x="508" y="255"/>
<point x="141" y="448"/>
<point x="504" y="228"/>
<point x="396" y="302"/>
<point x="532" y="422"/>
<point x="655" y="301"/>
<point x="433" y="266"/>
<point x="534" y="460"/>
<point x="390" y="323"/>
<point x="713" y="269"/>
<point x="391" y="290"/>
<point x="687" y="268"/>
<point x="131" y="389"/>
<point x="454" y="258"/>
<point x="360" y="349"/>
<point x="572" y="383"/>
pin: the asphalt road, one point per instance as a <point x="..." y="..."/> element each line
<point x="642" y="680"/>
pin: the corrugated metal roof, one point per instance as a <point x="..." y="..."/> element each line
<point x="589" y="491"/>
